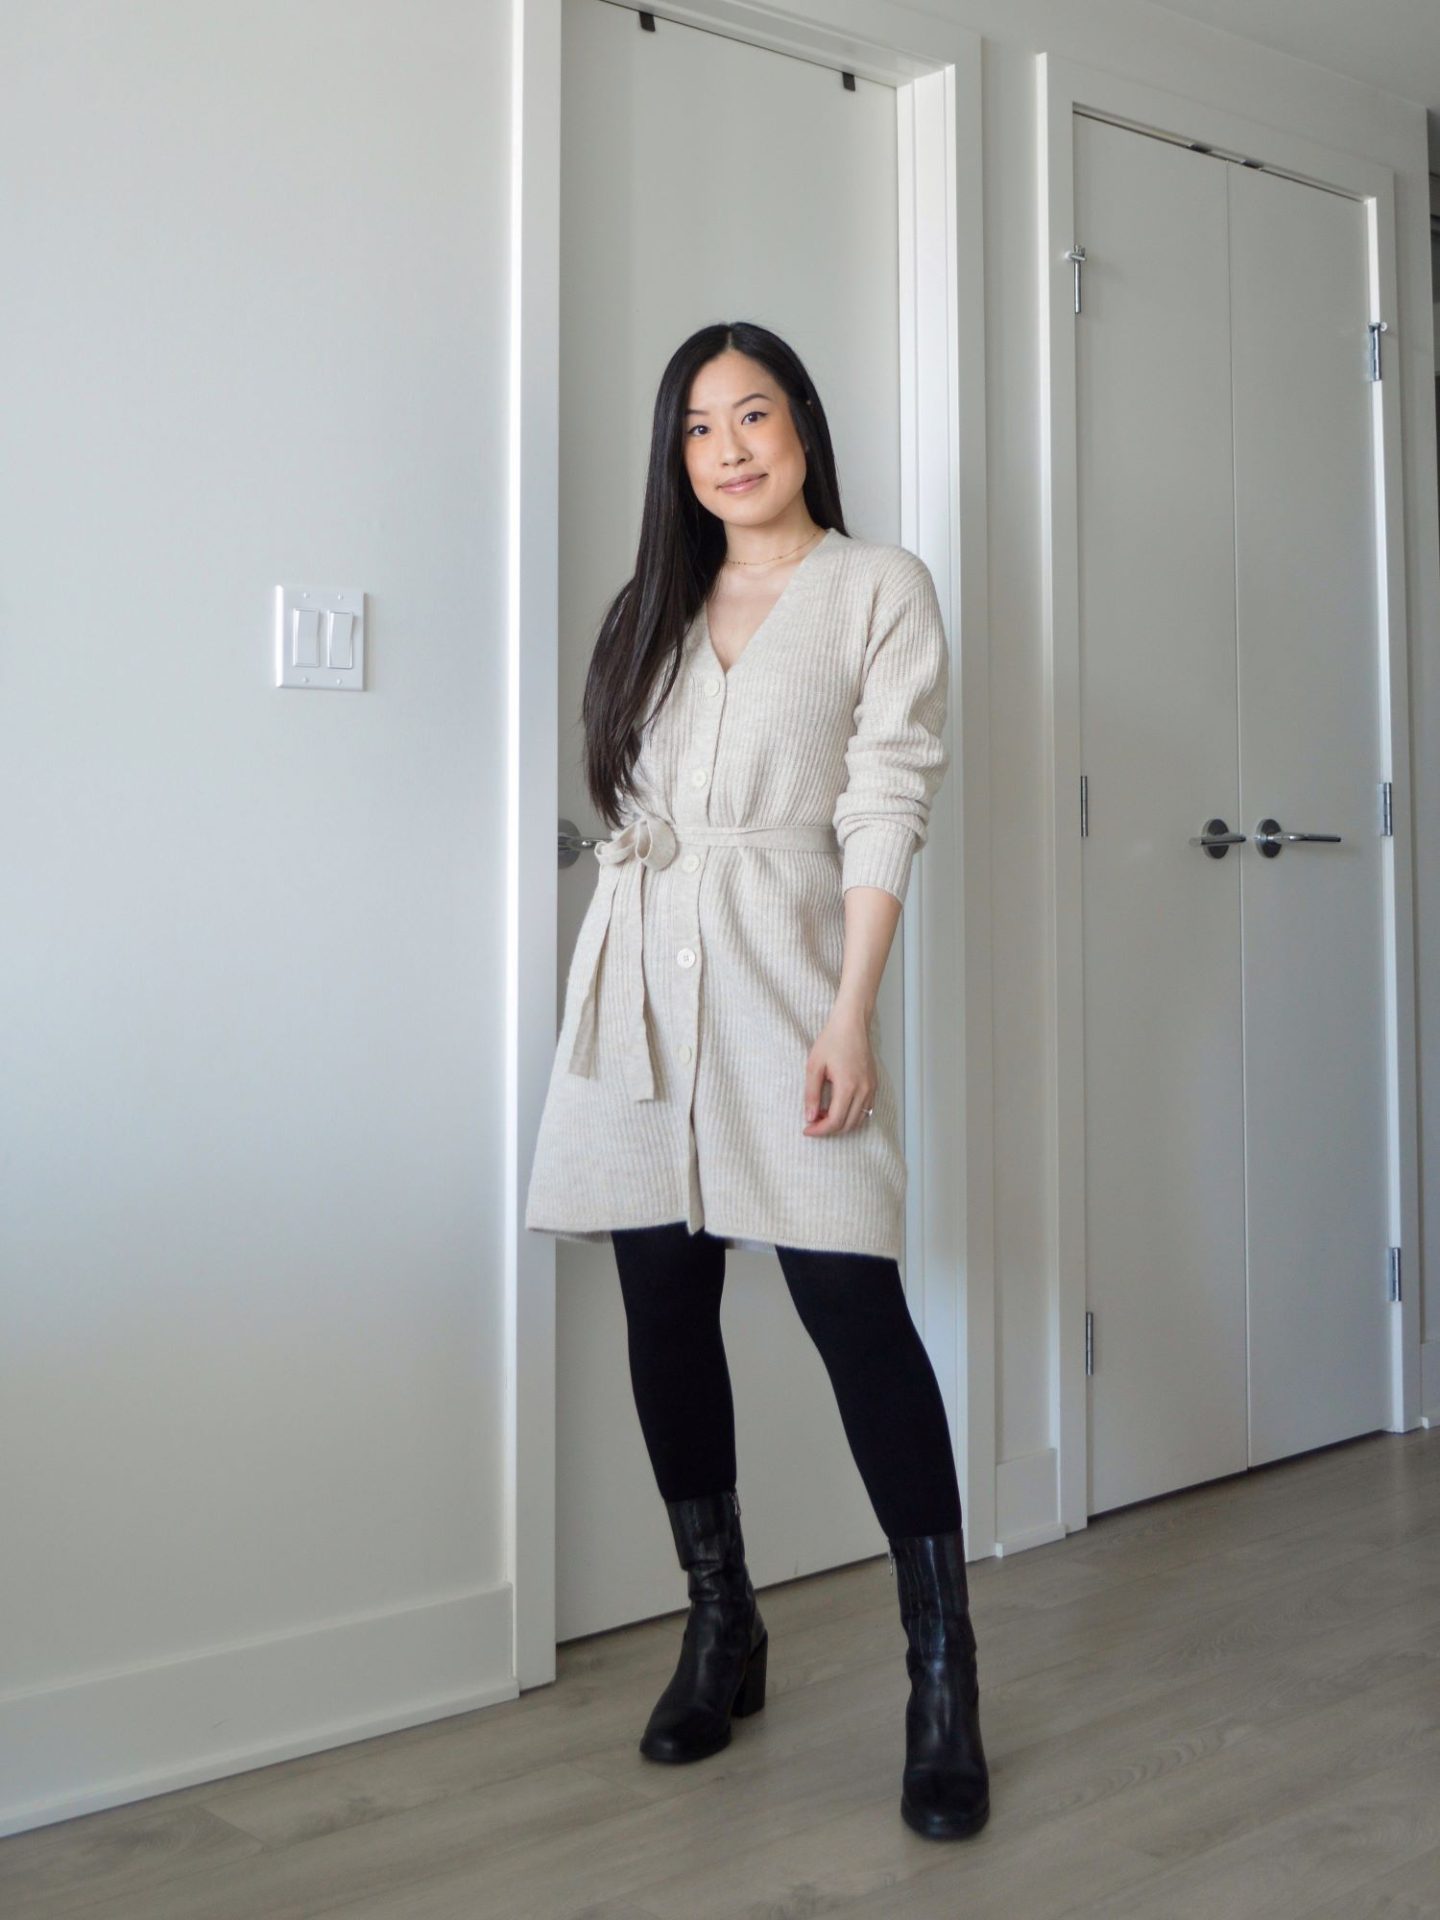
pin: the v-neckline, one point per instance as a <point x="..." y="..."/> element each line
<point x="779" y="602"/>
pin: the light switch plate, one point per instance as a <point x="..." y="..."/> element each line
<point x="320" y="638"/>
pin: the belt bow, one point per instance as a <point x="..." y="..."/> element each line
<point x="648" y="840"/>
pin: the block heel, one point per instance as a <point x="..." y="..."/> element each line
<point x="751" y="1697"/>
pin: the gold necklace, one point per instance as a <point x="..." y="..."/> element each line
<point x="770" y="562"/>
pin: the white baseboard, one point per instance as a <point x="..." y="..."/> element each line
<point x="110" y="1738"/>
<point x="1032" y="1537"/>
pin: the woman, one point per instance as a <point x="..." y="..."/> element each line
<point x="763" y="719"/>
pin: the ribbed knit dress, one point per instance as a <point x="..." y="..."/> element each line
<point x="710" y="955"/>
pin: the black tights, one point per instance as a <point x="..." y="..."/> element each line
<point x="852" y="1305"/>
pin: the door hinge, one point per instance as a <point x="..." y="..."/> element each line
<point x="1394" y="1273"/>
<point x="1387" y="808"/>
<point x="1377" y="327"/>
<point x="1089" y="1343"/>
<point x="1077" y="255"/>
<point x="1084" y="807"/>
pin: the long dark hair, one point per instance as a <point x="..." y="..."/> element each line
<point x="682" y="545"/>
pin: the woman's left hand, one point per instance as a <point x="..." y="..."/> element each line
<point x="843" y="1056"/>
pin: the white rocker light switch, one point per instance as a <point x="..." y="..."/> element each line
<point x="339" y="651"/>
<point x="320" y="638"/>
<point x="305" y="629"/>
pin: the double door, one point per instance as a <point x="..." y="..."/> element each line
<point x="1235" y="807"/>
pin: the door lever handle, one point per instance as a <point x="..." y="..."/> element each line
<point x="1270" y="837"/>
<point x="571" y="843"/>
<point x="1216" y="838"/>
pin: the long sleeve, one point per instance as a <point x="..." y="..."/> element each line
<point x="896" y="757"/>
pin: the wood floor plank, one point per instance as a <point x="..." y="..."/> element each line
<point x="1410" y="1891"/>
<point x="111" y="1854"/>
<point x="382" y="1858"/>
<point x="869" y="1862"/>
<point x="1335" y="1845"/>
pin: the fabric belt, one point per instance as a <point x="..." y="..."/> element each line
<point x="649" y="840"/>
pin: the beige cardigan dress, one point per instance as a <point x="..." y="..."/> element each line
<point x="709" y="957"/>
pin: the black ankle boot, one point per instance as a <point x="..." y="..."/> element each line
<point x="722" y="1659"/>
<point x="946" y="1789"/>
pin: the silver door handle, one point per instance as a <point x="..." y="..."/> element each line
<point x="571" y="843"/>
<point x="1292" y="836"/>
<point x="1270" y="837"/>
<point x="1216" y="838"/>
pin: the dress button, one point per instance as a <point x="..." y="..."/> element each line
<point x="711" y="683"/>
<point x="699" y="777"/>
<point x="686" y="956"/>
<point x="690" y="862"/>
<point x="683" y="1054"/>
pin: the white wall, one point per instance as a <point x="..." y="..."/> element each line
<point x="253" y="330"/>
<point x="250" y="1142"/>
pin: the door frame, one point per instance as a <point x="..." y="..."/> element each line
<point x="949" y="1229"/>
<point x="1064" y="87"/>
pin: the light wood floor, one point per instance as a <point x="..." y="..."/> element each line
<point x="1222" y="1704"/>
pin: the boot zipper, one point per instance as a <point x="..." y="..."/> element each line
<point x="891" y="1552"/>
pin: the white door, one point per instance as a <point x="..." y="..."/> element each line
<point x="704" y="179"/>
<point x="1310" y="755"/>
<point x="1233" y="1042"/>
<point x="1163" y="1068"/>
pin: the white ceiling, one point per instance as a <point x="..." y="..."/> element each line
<point x="1393" y="44"/>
